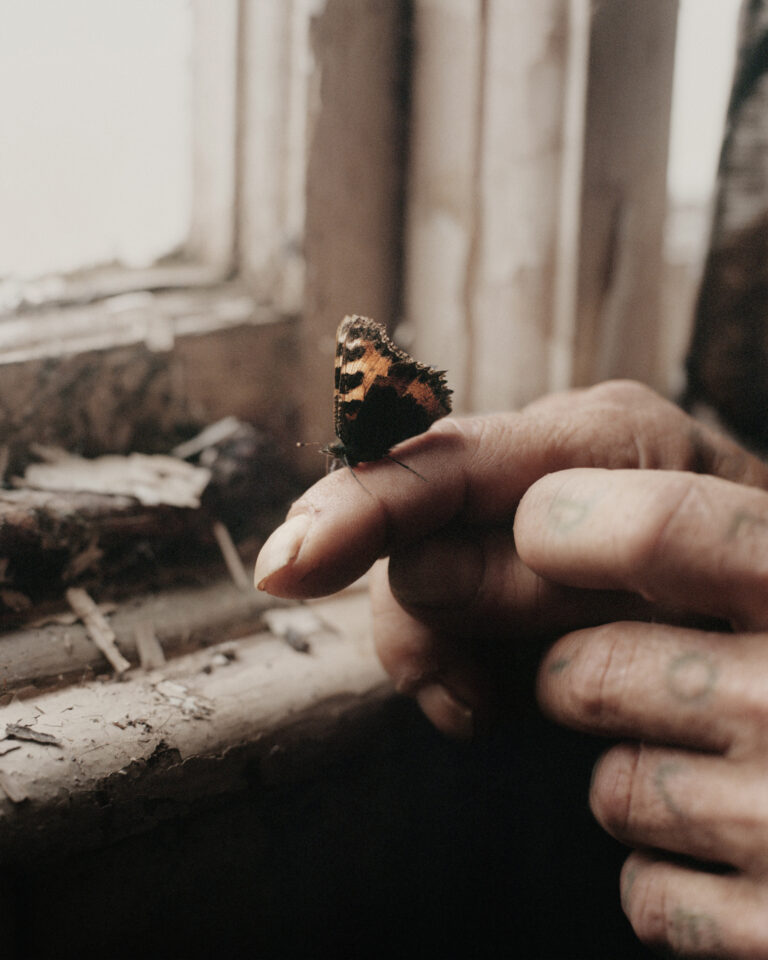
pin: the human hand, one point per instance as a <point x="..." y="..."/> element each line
<point x="458" y="601"/>
<point x="688" y="787"/>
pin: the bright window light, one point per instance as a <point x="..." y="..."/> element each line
<point x="95" y="157"/>
<point x="704" y="58"/>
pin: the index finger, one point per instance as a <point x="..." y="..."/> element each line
<point x="476" y="471"/>
<point x="683" y="542"/>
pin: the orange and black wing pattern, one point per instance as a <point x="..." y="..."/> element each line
<point x="382" y="395"/>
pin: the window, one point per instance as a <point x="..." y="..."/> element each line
<point x="96" y="162"/>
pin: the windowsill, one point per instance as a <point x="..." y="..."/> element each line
<point x="99" y="283"/>
<point x="194" y="728"/>
<point x="154" y="317"/>
<point x="141" y="371"/>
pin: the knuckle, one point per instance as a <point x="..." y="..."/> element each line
<point x="626" y="393"/>
<point x="682" y="508"/>
<point x="746" y="714"/>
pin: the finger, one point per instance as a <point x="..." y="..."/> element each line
<point x="474" y="585"/>
<point x="692" y="912"/>
<point x="477" y="469"/>
<point x="705" y="807"/>
<point x="448" y="686"/>
<point x="654" y="682"/>
<point x="435" y="620"/>
<point x="682" y="540"/>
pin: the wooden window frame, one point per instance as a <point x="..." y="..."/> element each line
<point x="562" y="104"/>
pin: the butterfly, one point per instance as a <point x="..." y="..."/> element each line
<point x="381" y="394"/>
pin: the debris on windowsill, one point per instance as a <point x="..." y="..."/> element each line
<point x="14" y="599"/>
<point x="86" y="559"/>
<point x="211" y="436"/>
<point x="67" y="618"/>
<point x="14" y="793"/>
<point x="295" y="625"/>
<point x="178" y="695"/>
<point x="151" y="655"/>
<point x="223" y="658"/>
<point x="133" y="722"/>
<point x="152" y="479"/>
<point x="97" y="627"/>
<point x="20" y="731"/>
<point x="231" y="557"/>
<point x="116" y="525"/>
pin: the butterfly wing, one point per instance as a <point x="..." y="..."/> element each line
<point x="382" y="395"/>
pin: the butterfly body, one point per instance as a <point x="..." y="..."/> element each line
<point x="381" y="394"/>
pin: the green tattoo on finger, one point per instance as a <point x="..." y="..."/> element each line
<point x="565" y="513"/>
<point x="559" y="665"/>
<point x="746" y="522"/>
<point x="665" y="770"/>
<point x="691" y="930"/>
<point x="692" y="677"/>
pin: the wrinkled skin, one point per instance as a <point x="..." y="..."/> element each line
<point x="620" y="549"/>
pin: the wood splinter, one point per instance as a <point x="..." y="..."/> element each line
<point x="97" y="627"/>
<point x="231" y="557"/>
<point x="151" y="655"/>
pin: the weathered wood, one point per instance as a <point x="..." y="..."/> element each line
<point x="494" y="181"/>
<point x="97" y="628"/>
<point x="51" y="540"/>
<point x="624" y="195"/>
<point x="35" y="521"/>
<point x="442" y="215"/>
<point x="231" y="557"/>
<point x="152" y="479"/>
<point x="198" y="727"/>
<point x="271" y="58"/>
<point x="214" y="132"/>
<point x="538" y="192"/>
<point x="520" y="170"/>
<point x="184" y="618"/>
<point x="98" y="379"/>
<point x="148" y="647"/>
<point x="354" y="184"/>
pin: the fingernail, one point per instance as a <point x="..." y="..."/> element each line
<point x="281" y="548"/>
<point x="593" y="775"/>
<point x="448" y="713"/>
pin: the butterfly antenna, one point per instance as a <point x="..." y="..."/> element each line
<point x="405" y="466"/>
<point x="308" y="443"/>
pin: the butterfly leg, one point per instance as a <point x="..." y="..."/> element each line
<point x="405" y="465"/>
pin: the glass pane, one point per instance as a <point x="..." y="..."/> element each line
<point x="704" y="58"/>
<point x="95" y="158"/>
